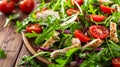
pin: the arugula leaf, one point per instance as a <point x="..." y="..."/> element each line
<point x="31" y="18"/>
<point x="69" y="55"/>
<point x="31" y="35"/>
<point x="2" y="54"/>
<point x="92" y="10"/>
<point x="42" y="37"/>
<point x="30" y="62"/>
<point x="116" y="1"/>
<point x="11" y="17"/>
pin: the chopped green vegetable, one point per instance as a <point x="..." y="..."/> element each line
<point x="2" y="54"/>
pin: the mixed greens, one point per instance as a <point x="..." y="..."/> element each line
<point x="82" y="33"/>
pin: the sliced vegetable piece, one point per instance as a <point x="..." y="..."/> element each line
<point x="116" y="62"/>
<point x="97" y="18"/>
<point x="82" y="37"/>
<point x="34" y="27"/>
<point x="80" y="2"/>
<point x="107" y="9"/>
<point x="72" y="11"/>
<point x="98" y="31"/>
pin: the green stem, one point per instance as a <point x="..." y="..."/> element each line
<point x="30" y="58"/>
<point x="56" y="5"/>
<point x="109" y="48"/>
<point x="79" y="8"/>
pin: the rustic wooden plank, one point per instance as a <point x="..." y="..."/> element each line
<point x="11" y="43"/>
<point x="23" y="52"/>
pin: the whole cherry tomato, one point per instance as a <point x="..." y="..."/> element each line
<point x="27" y="5"/>
<point x="116" y="62"/>
<point x="6" y="7"/>
<point x="98" y="31"/>
<point x="72" y="11"/>
<point x="15" y="1"/>
<point x="80" y="2"/>
<point x="34" y="27"/>
<point x="82" y="37"/>
<point x="106" y="9"/>
<point x="97" y="18"/>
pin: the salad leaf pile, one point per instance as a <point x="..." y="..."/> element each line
<point x="74" y="16"/>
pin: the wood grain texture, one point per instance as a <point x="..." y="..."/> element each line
<point x="23" y="52"/>
<point x="10" y="41"/>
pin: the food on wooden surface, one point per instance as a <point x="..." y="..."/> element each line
<point x="82" y="31"/>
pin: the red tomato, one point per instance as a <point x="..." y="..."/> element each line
<point x="98" y="31"/>
<point x="116" y="62"/>
<point x="82" y="37"/>
<point x="44" y="9"/>
<point x="72" y="11"/>
<point x="15" y="1"/>
<point x="34" y="27"/>
<point x="97" y="18"/>
<point x="106" y="9"/>
<point x="6" y="7"/>
<point x="27" y="5"/>
<point x="80" y="2"/>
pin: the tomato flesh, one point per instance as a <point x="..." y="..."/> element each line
<point x="72" y="11"/>
<point x="15" y="1"/>
<point x="27" y="5"/>
<point x="106" y="9"/>
<point x="98" y="31"/>
<point x="82" y="37"/>
<point x="116" y="62"/>
<point x="34" y="27"/>
<point x="6" y="7"/>
<point x="97" y="18"/>
<point x="80" y="2"/>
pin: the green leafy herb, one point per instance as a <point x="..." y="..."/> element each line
<point x="2" y="54"/>
<point x="11" y="17"/>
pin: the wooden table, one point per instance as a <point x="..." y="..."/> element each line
<point x="11" y="42"/>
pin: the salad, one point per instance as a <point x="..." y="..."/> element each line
<point x="78" y="33"/>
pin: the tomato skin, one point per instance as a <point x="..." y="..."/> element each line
<point x="116" y="62"/>
<point x="72" y="11"/>
<point x="98" y="31"/>
<point x="107" y="9"/>
<point x="27" y="6"/>
<point x="80" y="2"/>
<point x="97" y="18"/>
<point x="44" y="9"/>
<point x="34" y="27"/>
<point x="82" y="37"/>
<point x="6" y="7"/>
<point x="15" y="1"/>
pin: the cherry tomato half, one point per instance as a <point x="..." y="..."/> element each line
<point x="116" y="62"/>
<point x="44" y="9"/>
<point x="97" y="18"/>
<point x="106" y="9"/>
<point x="34" y="27"/>
<point x="72" y="11"/>
<point x="98" y="31"/>
<point x="27" y="5"/>
<point x="82" y="37"/>
<point x="80" y="2"/>
<point x="6" y="7"/>
<point x="15" y="1"/>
